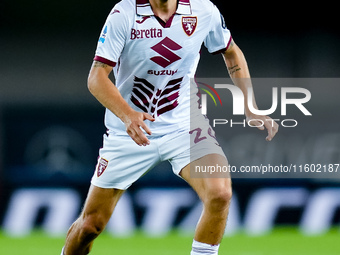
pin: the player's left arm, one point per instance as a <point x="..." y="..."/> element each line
<point x="239" y="73"/>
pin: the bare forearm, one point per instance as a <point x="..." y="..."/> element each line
<point x="103" y="89"/>
<point x="239" y="72"/>
<point x="236" y="62"/>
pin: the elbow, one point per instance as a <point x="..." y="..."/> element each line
<point x="233" y="53"/>
<point x="91" y="83"/>
<point x="234" y="56"/>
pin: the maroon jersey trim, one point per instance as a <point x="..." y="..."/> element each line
<point x="105" y="61"/>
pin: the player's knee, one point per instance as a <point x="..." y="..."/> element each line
<point x="91" y="228"/>
<point x="218" y="198"/>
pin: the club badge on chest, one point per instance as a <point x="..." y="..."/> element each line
<point x="189" y="25"/>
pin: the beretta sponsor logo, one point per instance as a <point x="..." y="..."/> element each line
<point x="146" y="33"/>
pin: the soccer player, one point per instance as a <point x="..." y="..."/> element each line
<point x="153" y="46"/>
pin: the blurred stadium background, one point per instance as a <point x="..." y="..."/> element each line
<point x="51" y="128"/>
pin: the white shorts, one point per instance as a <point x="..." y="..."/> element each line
<point x="121" y="161"/>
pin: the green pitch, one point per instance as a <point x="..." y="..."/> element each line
<point x="282" y="241"/>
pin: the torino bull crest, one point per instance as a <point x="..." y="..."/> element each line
<point x="189" y="25"/>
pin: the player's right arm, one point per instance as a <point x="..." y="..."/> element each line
<point x="103" y="89"/>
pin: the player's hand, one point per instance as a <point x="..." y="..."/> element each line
<point x="262" y="123"/>
<point x="134" y="121"/>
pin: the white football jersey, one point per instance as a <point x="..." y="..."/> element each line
<point x="154" y="61"/>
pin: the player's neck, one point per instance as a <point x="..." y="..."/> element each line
<point x="164" y="9"/>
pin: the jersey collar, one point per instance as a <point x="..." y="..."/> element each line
<point x="143" y="7"/>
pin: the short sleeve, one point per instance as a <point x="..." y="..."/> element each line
<point x="219" y="36"/>
<point x="112" y="38"/>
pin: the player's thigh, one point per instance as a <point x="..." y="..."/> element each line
<point x="209" y="185"/>
<point x="99" y="205"/>
<point x="121" y="162"/>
